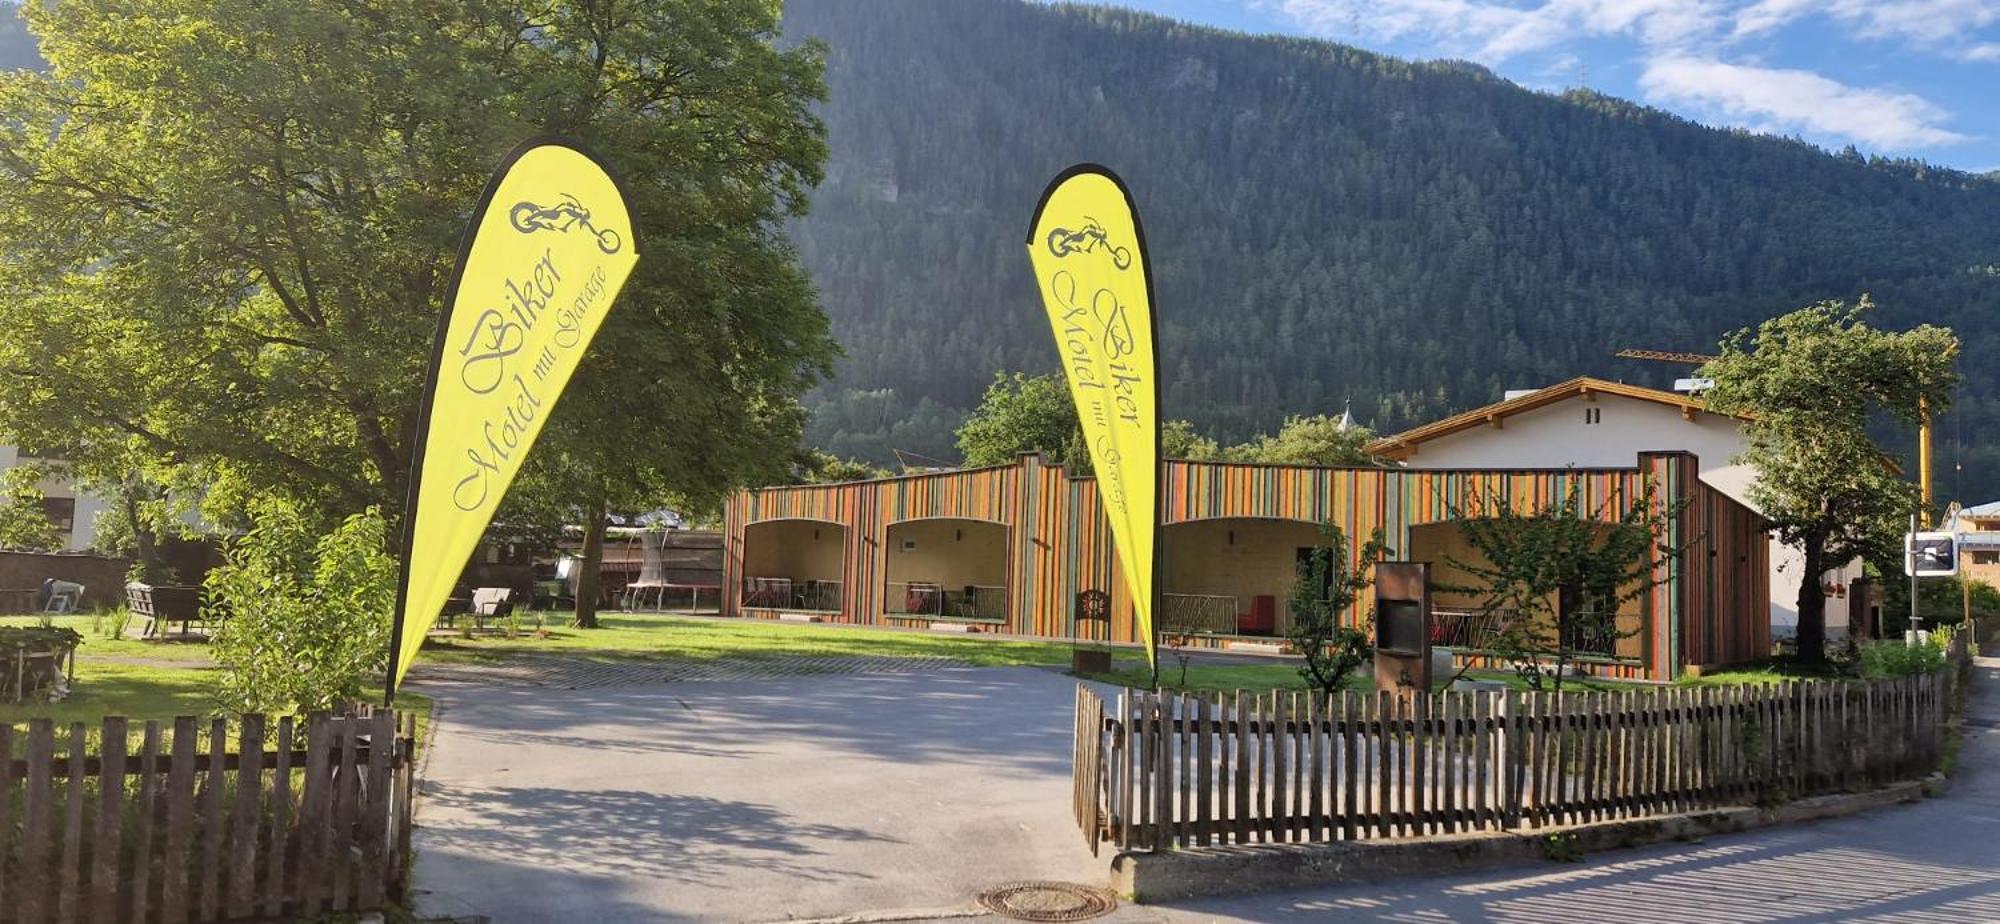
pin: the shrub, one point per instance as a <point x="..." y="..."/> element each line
<point x="1895" y="659"/>
<point x="308" y="617"/>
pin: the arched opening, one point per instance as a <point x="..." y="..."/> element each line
<point x="1459" y="604"/>
<point x="794" y="565"/>
<point x="946" y="569"/>
<point x="1231" y="576"/>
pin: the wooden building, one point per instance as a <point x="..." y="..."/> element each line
<point x="1009" y="549"/>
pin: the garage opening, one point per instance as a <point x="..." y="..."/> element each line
<point x="1232" y="576"/>
<point x="794" y="565"/>
<point x="947" y="569"/>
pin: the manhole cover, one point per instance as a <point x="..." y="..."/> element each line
<point x="1047" y="901"/>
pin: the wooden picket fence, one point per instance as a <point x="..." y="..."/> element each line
<point x="1160" y="771"/>
<point x="252" y="819"/>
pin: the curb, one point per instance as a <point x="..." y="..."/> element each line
<point x="1204" y="872"/>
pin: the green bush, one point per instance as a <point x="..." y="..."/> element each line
<point x="307" y="617"/>
<point x="1895" y="659"/>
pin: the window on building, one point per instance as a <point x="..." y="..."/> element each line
<point x="1593" y="415"/>
<point x="61" y="511"/>
<point x="1986" y="558"/>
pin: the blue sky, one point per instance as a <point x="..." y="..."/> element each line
<point x="1902" y="78"/>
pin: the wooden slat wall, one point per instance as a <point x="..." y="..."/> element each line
<point x="1060" y="543"/>
<point x="1168" y="771"/>
<point x="155" y="827"/>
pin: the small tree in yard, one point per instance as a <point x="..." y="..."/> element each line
<point x="24" y="525"/>
<point x="308" y="614"/>
<point x="1554" y="578"/>
<point x="1325" y="588"/>
<point x="1809" y="383"/>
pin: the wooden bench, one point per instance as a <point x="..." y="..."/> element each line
<point x="165" y="604"/>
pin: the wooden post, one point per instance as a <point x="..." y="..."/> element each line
<point x="242" y="889"/>
<point x="1241" y="788"/>
<point x="69" y="904"/>
<point x="176" y="873"/>
<point x="1204" y="794"/>
<point x="1316" y="771"/>
<point x="149" y="798"/>
<point x="34" y="880"/>
<point x="107" y="848"/>
<point x="1350" y="755"/>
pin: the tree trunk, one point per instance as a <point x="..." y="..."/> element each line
<point x="1812" y="605"/>
<point x="147" y="549"/>
<point x="593" y="563"/>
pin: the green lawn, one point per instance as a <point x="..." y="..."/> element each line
<point x="638" y="635"/>
<point x="1763" y="672"/>
<point x="136" y="679"/>
<point x="1284" y="675"/>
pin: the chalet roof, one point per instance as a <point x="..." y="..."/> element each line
<point x="1401" y="446"/>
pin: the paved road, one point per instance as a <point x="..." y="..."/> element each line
<point x="803" y="797"/>
<point x="756" y="800"/>
<point x="1935" y="861"/>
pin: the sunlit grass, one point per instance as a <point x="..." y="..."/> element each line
<point x="629" y="636"/>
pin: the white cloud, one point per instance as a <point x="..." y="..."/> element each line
<point x="1683" y="42"/>
<point x="1493" y="31"/>
<point x="1797" y="99"/>
<point x="1923" y="20"/>
<point x="1768" y="15"/>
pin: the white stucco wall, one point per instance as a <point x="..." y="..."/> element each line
<point x="83" y="526"/>
<point x="1559" y="435"/>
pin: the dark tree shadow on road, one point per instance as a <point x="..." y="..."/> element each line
<point x="624" y="833"/>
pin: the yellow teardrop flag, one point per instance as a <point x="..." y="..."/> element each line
<point x="550" y="245"/>
<point x="1089" y="255"/>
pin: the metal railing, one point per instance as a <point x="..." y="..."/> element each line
<point x="778" y="593"/>
<point x="925" y="598"/>
<point x="1478" y="630"/>
<point x="1198" y="613"/>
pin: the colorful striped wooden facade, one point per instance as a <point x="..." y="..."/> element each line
<point x="1708" y="610"/>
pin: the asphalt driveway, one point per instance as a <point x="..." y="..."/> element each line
<point x="755" y="800"/>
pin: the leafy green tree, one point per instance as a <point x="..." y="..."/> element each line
<point x="228" y="226"/>
<point x="1023" y="413"/>
<point x="1324" y="589"/>
<point x="308" y="613"/>
<point x="1178" y="440"/>
<point x="1941" y="601"/>
<point x="820" y="467"/>
<point x="1810" y="382"/>
<point x="1307" y="440"/>
<point x="1553" y="578"/>
<point x="24" y="524"/>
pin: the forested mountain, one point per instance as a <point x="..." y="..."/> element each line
<point x="1328" y="224"/>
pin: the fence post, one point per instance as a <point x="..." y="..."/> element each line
<point x="1510" y="761"/>
<point x="107" y="847"/>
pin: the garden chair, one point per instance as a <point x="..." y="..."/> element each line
<point x="63" y="596"/>
<point x="491" y="603"/>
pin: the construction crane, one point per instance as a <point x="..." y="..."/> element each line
<point x="1923" y="426"/>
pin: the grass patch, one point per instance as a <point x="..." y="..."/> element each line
<point x="177" y="679"/>
<point x="1773" y="670"/>
<point x="95" y="629"/>
<point x="1211" y="678"/>
<point x="625" y="636"/>
<point x="1284" y="675"/>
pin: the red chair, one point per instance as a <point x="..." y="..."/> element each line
<point x="1262" y="618"/>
